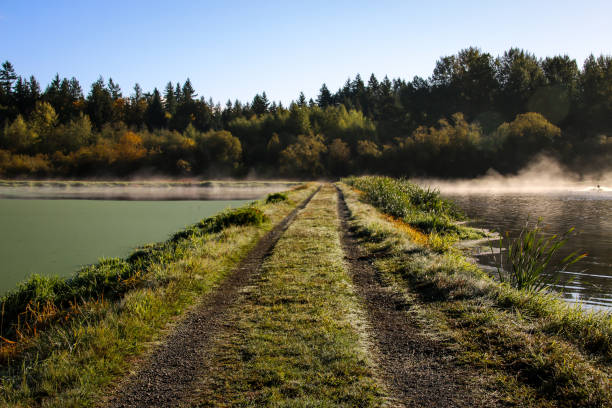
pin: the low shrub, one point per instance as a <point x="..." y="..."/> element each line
<point x="237" y="217"/>
<point x="276" y="198"/>
<point x="232" y="217"/>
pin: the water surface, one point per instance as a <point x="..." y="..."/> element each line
<point x="589" y="211"/>
<point x="56" y="237"/>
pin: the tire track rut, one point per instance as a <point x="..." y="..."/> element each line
<point x="172" y="370"/>
<point x="418" y="371"/>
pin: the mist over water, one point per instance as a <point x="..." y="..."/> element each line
<point x="154" y="191"/>
<point x="563" y="200"/>
<point x="543" y="175"/>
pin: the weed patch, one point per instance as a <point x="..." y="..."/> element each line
<point x="422" y="209"/>
<point x="528" y="257"/>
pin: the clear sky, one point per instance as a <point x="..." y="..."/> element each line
<point x="234" y="49"/>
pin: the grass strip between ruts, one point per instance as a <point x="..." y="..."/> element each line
<point x="74" y="363"/>
<point x="296" y="338"/>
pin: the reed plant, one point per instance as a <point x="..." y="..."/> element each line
<point x="530" y="259"/>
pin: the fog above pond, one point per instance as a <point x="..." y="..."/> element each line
<point x="543" y="175"/>
<point x="562" y="200"/>
<point x="146" y="190"/>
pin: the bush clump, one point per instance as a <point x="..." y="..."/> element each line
<point x="233" y="217"/>
<point x="237" y="217"/>
<point x="41" y="299"/>
<point x="276" y="198"/>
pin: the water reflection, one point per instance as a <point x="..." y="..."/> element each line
<point x="590" y="280"/>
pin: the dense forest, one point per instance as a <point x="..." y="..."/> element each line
<point x="475" y="112"/>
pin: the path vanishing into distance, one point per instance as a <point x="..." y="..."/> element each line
<point x="304" y="320"/>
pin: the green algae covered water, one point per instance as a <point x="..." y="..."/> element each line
<point x="57" y="237"/>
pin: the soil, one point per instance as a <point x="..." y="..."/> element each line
<point x="172" y="370"/>
<point x="417" y="369"/>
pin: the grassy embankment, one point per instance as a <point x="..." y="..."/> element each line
<point x="64" y="341"/>
<point x="540" y="350"/>
<point x="296" y="337"/>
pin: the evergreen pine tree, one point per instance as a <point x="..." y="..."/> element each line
<point x="325" y="97"/>
<point x="260" y="104"/>
<point x="33" y="94"/>
<point x="188" y="91"/>
<point x="76" y="92"/>
<point x="52" y="92"/>
<point x="155" y="117"/>
<point x="301" y="100"/>
<point x="170" y="99"/>
<point x="21" y="90"/>
<point x="99" y="104"/>
<point x="7" y="77"/>
<point x="114" y="89"/>
<point x="373" y="85"/>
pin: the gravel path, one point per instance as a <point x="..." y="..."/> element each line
<point x="418" y="371"/>
<point x="173" y="369"/>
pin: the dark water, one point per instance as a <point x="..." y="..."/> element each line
<point x="56" y="237"/>
<point x="590" y="212"/>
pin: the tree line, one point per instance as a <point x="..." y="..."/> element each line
<point x="475" y="112"/>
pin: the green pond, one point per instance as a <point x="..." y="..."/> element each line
<point x="56" y="237"/>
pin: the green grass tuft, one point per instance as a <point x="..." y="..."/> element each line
<point x="276" y="198"/>
<point x="235" y="217"/>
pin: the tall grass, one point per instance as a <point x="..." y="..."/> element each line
<point x="528" y="264"/>
<point x="422" y="208"/>
<point x="401" y="198"/>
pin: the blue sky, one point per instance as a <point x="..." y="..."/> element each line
<point x="234" y="49"/>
